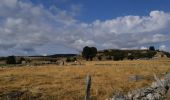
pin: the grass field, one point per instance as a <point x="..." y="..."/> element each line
<point x="54" y="82"/>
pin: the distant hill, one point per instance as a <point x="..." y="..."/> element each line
<point x="166" y="53"/>
<point x="56" y="55"/>
<point x="38" y="58"/>
<point x="107" y="54"/>
<point x="62" y="55"/>
<point x="116" y="54"/>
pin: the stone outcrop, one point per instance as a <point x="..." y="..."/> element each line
<point x="157" y="91"/>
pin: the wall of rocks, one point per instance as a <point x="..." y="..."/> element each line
<point x="157" y="91"/>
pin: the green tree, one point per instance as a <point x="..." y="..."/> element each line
<point x="93" y="52"/>
<point x="86" y="52"/>
<point x="11" y="60"/>
<point x="152" y="48"/>
<point x="89" y="52"/>
<point x="118" y="55"/>
<point x="150" y="54"/>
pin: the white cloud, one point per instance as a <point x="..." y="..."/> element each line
<point x="163" y="48"/>
<point x="80" y="43"/>
<point x="135" y="24"/>
<point x="25" y="27"/>
<point x="9" y="3"/>
<point x="143" y="48"/>
<point x="132" y="31"/>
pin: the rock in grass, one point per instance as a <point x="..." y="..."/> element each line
<point x="135" y="78"/>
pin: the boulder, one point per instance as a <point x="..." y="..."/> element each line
<point x="135" y="78"/>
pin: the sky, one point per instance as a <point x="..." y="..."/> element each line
<point x="45" y="27"/>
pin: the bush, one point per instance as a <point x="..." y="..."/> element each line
<point x="150" y="54"/>
<point x="74" y="59"/>
<point x="99" y="58"/>
<point x="71" y="59"/>
<point x="11" y="60"/>
<point x="118" y="55"/>
<point x="68" y="59"/>
<point x="2" y="58"/>
<point x="21" y="60"/>
<point x="167" y="54"/>
<point x="109" y="58"/>
<point x="131" y="57"/>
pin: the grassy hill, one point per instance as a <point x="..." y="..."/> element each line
<point x="116" y="54"/>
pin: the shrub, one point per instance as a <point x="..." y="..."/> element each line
<point x="99" y="58"/>
<point x="118" y="55"/>
<point x="130" y="57"/>
<point x="11" y="60"/>
<point x="71" y="59"/>
<point x="150" y="54"/>
<point x="167" y="54"/>
<point x="68" y="59"/>
<point x="21" y="60"/>
<point x="109" y="58"/>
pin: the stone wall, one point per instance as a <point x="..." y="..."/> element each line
<point x="157" y="91"/>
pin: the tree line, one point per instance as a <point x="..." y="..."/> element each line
<point x="89" y="53"/>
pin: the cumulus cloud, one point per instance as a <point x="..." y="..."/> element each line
<point x="163" y="47"/>
<point x="143" y="48"/>
<point x="133" y="31"/>
<point x="26" y="27"/>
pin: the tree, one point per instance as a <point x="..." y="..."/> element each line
<point x="118" y="55"/>
<point x="150" y="54"/>
<point x="89" y="52"/>
<point x="93" y="52"/>
<point x="152" y="48"/>
<point x="86" y="52"/>
<point x="11" y="60"/>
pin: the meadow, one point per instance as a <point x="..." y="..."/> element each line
<point x="54" y="82"/>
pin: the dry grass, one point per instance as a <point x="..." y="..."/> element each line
<point x="68" y="82"/>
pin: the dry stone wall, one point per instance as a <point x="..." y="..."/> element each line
<point x="157" y="91"/>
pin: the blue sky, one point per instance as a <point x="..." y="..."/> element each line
<point x="108" y="9"/>
<point x="40" y="27"/>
